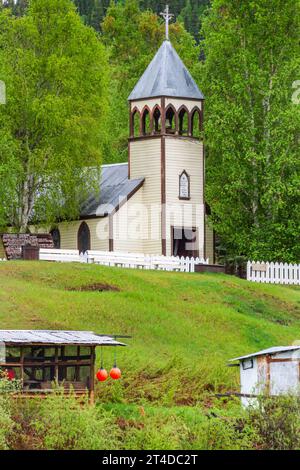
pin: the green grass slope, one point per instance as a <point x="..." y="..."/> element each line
<point x="185" y="327"/>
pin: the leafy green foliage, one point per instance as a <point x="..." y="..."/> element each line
<point x="253" y="126"/>
<point x="73" y="425"/>
<point x="277" y="422"/>
<point x="55" y="70"/>
<point x="7" y="424"/>
<point x="189" y="12"/>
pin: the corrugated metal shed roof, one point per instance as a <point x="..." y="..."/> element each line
<point x="115" y="188"/>
<point x="270" y="351"/>
<point x="21" y="337"/>
<point x="166" y="76"/>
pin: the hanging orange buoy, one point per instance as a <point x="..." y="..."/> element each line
<point x="102" y="375"/>
<point x="10" y="374"/>
<point x="115" y="373"/>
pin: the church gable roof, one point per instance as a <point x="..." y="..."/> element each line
<point x="115" y="189"/>
<point x="166" y="76"/>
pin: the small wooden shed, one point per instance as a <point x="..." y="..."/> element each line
<point x="274" y="371"/>
<point x="38" y="358"/>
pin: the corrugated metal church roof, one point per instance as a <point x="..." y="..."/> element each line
<point x="271" y="351"/>
<point x="50" y="338"/>
<point x="166" y="76"/>
<point x="115" y="188"/>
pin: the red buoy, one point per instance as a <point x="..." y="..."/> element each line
<point x="102" y="375"/>
<point x="115" y="373"/>
<point x="10" y="374"/>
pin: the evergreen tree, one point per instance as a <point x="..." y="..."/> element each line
<point x="93" y="11"/>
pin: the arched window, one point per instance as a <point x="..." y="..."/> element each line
<point x="183" y="121"/>
<point x="84" y="238"/>
<point x="196" y="123"/>
<point x="146" y="127"/>
<point x="184" y="186"/>
<point x="135" y="123"/>
<point x="171" y="120"/>
<point x="157" y="120"/>
<point x="55" y="233"/>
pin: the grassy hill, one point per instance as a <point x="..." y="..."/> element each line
<point x="185" y="327"/>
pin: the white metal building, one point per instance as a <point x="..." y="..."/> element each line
<point x="274" y="371"/>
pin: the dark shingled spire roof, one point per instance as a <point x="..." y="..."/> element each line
<point x="166" y="76"/>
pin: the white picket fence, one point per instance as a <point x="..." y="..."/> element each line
<point x="124" y="260"/>
<point x="273" y="273"/>
<point x="62" y="256"/>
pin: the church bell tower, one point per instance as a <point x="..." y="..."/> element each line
<point x="166" y="148"/>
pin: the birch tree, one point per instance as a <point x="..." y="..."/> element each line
<point x="52" y="125"/>
<point x="253" y="126"/>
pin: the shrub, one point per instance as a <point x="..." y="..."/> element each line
<point x="62" y="422"/>
<point x="6" y="421"/>
<point x="155" y="433"/>
<point x="277" y="422"/>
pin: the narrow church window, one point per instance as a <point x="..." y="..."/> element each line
<point x="183" y="122"/>
<point x="146" y="122"/>
<point x="135" y="124"/>
<point x="84" y="238"/>
<point x="55" y="233"/>
<point x="157" y="120"/>
<point x="196" y="123"/>
<point x="184" y="186"/>
<point x="170" y="120"/>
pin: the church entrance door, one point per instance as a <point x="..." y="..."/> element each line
<point x="84" y="238"/>
<point x="184" y="242"/>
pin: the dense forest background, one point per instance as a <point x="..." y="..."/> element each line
<point x="94" y="11"/>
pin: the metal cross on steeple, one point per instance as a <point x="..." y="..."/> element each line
<point x="167" y="16"/>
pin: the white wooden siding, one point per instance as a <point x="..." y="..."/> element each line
<point x="129" y="227"/>
<point x="69" y="231"/>
<point x="145" y="161"/>
<point x="150" y="103"/>
<point x="184" y="154"/>
<point x="177" y="103"/>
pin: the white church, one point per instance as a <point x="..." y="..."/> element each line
<point x="154" y="204"/>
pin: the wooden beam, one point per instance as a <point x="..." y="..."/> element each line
<point x="92" y="376"/>
<point x="22" y="366"/>
<point x="56" y="366"/>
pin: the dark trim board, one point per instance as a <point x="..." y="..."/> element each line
<point x="163" y="197"/>
<point x="111" y="233"/>
<point x="158" y="136"/>
<point x="168" y="97"/>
